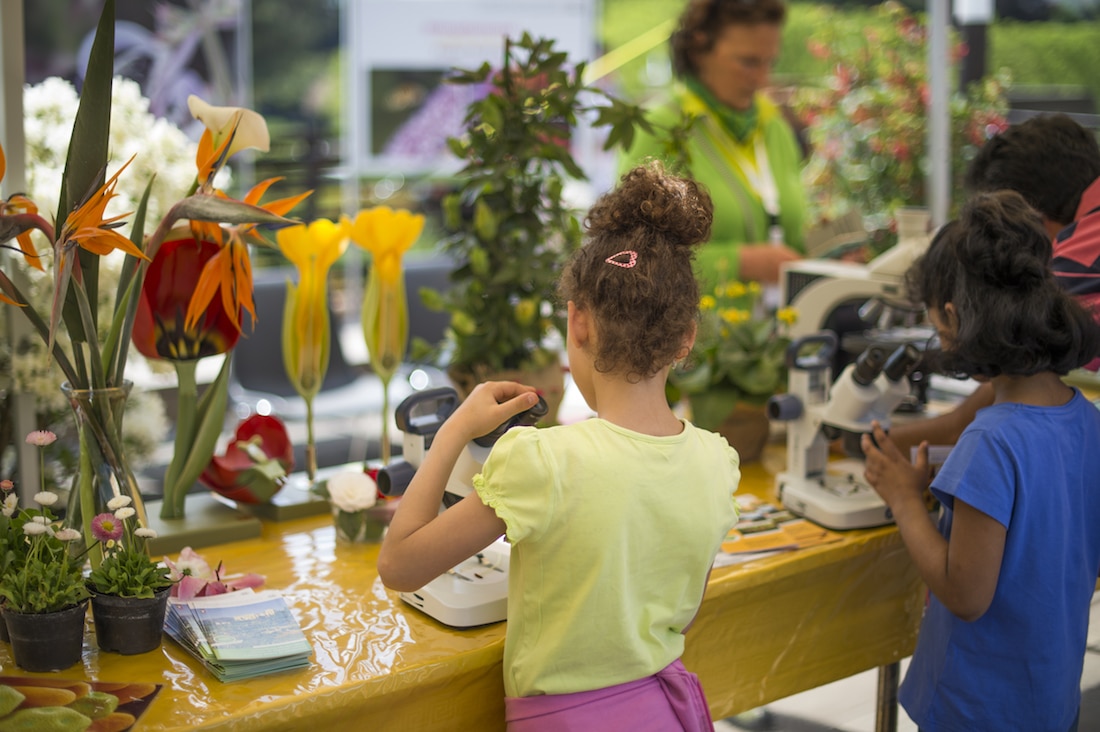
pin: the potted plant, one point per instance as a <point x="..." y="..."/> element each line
<point x="508" y="225"/>
<point x="866" y="121"/>
<point x="737" y="363"/>
<point x="129" y="590"/>
<point x="42" y="587"/>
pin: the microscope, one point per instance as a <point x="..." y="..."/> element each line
<point x="865" y="303"/>
<point x="818" y="287"/>
<point x="474" y="592"/>
<point x="833" y="493"/>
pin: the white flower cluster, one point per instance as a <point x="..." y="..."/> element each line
<point x="161" y="149"/>
<point x="162" y="154"/>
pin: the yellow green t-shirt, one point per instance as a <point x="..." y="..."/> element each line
<point x="613" y="533"/>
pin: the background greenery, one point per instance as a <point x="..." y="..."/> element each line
<point x="1050" y="53"/>
<point x="296" y="65"/>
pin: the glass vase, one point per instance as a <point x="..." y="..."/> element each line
<point x="103" y="472"/>
<point x="359" y="527"/>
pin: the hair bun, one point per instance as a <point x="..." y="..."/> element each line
<point x="1007" y="245"/>
<point x="675" y="211"/>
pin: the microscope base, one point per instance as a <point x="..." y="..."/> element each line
<point x="837" y="500"/>
<point x="473" y="593"/>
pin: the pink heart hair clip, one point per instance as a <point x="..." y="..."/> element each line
<point x="625" y="259"/>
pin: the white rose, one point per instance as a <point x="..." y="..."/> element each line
<point x="352" y="491"/>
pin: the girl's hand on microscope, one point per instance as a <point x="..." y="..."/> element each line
<point x="489" y="405"/>
<point x="899" y="482"/>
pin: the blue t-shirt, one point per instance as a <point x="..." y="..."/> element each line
<point x="1036" y="470"/>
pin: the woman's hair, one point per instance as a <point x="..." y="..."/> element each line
<point x="634" y="272"/>
<point x="703" y="20"/>
<point x="993" y="265"/>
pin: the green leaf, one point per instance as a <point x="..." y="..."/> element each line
<point x="126" y="299"/>
<point x="86" y="162"/>
<point x="211" y="416"/>
<point x="205" y="207"/>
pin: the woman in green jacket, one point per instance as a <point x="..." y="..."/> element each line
<point x="741" y="147"/>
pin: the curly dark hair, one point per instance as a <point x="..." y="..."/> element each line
<point x="644" y="312"/>
<point x="703" y="20"/>
<point x="1049" y="159"/>
<point x="993" y="264"/>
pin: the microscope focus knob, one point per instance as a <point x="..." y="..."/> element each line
<point x="784" y="408"/>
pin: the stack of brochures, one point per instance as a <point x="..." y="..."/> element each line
<point x="239" y="635"/>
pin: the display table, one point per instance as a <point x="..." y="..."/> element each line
<point x="767" y="629"/>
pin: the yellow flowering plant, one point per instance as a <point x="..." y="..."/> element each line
<point x="387" y="234"/>
<point x="307" y="330"/>
<point x="739" y="355"/>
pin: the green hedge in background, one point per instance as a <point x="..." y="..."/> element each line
<point x="1036" y="54"/>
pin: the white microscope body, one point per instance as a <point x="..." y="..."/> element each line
<point x="833" y="493"/>
<point x="475" y="591"/>
<point x="817" y="287"/>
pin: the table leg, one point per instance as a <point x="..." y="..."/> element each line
<point x="886" y="715"/>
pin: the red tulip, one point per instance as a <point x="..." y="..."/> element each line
<point x="159" y="327"/>
<point x="255" y="464"/>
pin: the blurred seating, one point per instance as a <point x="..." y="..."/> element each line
<point x="347" y="410"/>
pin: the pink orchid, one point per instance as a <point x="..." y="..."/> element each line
<point x="194" y="578"/>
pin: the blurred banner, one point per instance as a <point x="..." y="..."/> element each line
<point x="399" y="111"/>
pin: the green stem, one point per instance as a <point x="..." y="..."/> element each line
<point x="385" y="421"/>
<point x="311" y="443"/>
<point x="87" y="498"/>
<point x="175" y="494"/>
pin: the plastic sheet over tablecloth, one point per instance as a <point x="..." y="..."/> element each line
<point x="767" y="629"/>
<point x="796" y="620"/>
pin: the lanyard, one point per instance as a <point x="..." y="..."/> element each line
<point x="758" y="175"/>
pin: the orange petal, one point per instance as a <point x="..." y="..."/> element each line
<point x="205" y="289"/>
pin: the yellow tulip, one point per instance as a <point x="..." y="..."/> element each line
<point x="313" y="249"/>
<point x="387" y="234"/>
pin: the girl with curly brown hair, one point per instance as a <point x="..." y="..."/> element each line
<point x="613" y="521"/>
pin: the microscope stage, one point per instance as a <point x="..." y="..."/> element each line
<point x="838" y="500"/>
<point x="474" y="592"/>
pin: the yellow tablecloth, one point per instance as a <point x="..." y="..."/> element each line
<point x="766" y="629"/>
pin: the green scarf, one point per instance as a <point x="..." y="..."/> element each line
<point x="739" y="123"/>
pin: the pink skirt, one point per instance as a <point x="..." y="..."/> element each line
<point x="671" y="699"/>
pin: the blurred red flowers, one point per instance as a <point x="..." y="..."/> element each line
<point x="255" y="464"/>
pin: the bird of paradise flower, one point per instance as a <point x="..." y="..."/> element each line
<point x="87" y="233"/>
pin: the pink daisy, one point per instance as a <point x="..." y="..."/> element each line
<point x="41" y="438"/>
<point x="105" y="527"/>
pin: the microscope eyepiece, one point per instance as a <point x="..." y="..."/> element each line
<point x="869" y="365"/>
<point x="526" y="418"/>
<point x="902" y="362"/>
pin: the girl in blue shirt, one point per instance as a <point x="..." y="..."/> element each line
<point x="1013" y="561"/>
